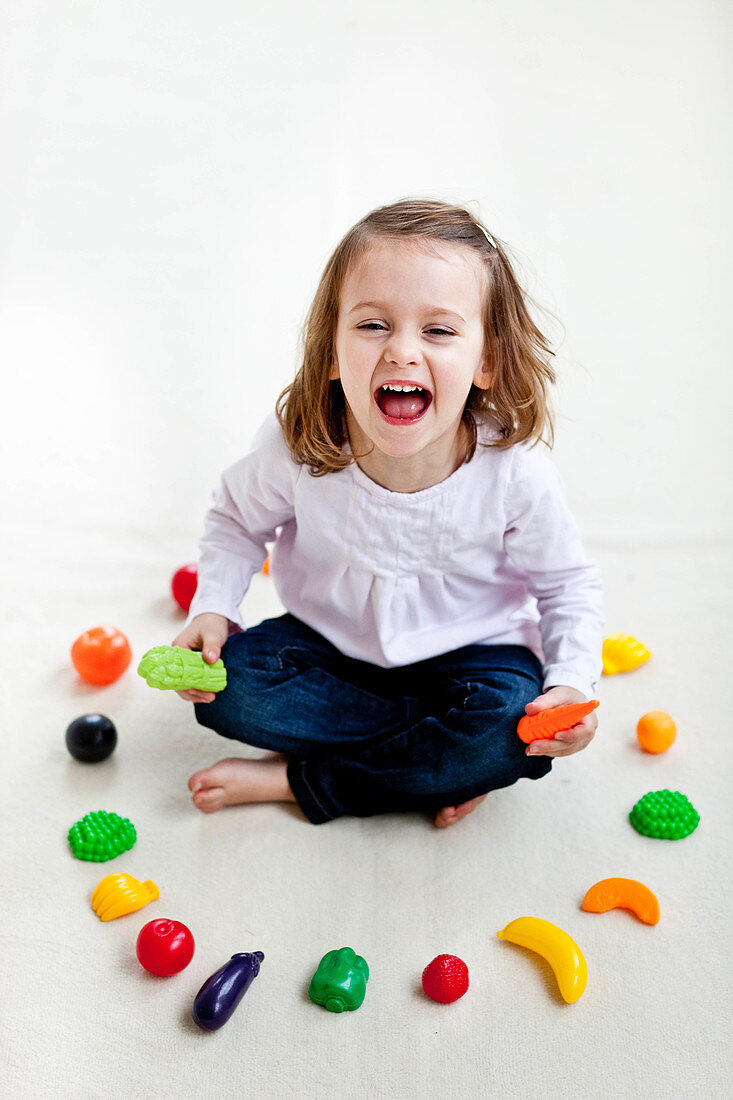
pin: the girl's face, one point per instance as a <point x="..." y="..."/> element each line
<point x="411" y="318"/>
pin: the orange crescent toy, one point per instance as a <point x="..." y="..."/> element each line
<point x="544" y="726"/>
<point x="623" y="893"/>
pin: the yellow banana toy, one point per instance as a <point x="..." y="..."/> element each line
<point x="561" y="952"/>
<point x="120" y="894"/>
<point x="622" y="653"/>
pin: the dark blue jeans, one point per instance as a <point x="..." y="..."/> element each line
<point x="365" y="740"/>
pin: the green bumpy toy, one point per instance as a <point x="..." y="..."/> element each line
<point x="339" y="983"/>
<point x="173" y="668"/>
<point x="666" y="815"/>
<point x="100" y="836"/>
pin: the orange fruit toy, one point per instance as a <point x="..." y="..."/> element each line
<point x="656" y="731"/>
<point x="101" y="655"/>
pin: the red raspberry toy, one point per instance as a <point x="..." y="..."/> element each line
<point x="445" y="979"/>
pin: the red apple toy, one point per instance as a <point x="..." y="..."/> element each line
<point x="165" y="947"/>
<point x="183" y="585"/>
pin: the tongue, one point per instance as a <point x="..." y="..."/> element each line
<point x="403" y="406"/>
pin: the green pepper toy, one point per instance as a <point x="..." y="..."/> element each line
<point x="173" y="668"/>
<point x="339" y="983"/>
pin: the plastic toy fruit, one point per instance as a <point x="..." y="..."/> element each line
<point x="664" y="815"/>
<point x="623" y="893"/>
<point x="622" y="653"/>
<point x="656" y="731"/>
<point x="99" y="836"/>
<point x="445" y="979"/>
<point x="120" y="894"/>
<point x="91" y="738"/>
<point x="221" y="993"/>
<point x="101" y="655"/>
<point x="165" y="947"/>
<point x="173" y="668"/>
<point x="339" y="983"/>
<point x="544" y="726"/>
<point x="184" y="584"/>
<point x="561" y="952"/>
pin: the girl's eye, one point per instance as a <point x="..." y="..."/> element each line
<point x="372" y="325"/>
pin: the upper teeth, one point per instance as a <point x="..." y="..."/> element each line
<point x="400" y="389"/>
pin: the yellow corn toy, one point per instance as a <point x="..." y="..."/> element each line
<point x="622" y="653"/>
<point x="120" y="894"/>
<point x="561" y="952"/>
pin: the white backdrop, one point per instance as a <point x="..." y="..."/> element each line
<point x="173" y="177"/>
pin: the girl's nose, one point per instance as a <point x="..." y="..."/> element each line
<point x="403" y="349"/>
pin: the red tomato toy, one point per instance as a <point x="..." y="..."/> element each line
<point x="445" y="979"/>
<point x="165" y="947"/>
<point x="183" y="585"/>
<point x="101" y="655"/>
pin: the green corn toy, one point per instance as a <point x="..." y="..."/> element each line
<point x="172" y="668"/>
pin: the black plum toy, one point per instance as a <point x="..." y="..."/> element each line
<point x="91" y="738"/>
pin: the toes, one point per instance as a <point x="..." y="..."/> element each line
<point x="208" y="800"/>
<point x="446" y="816"/>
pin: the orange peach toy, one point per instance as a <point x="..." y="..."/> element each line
<point x="656" y="731"/>
<point x="544" y="726"/>
<point x="101" y="655"/>
<point x="622" y="893"/>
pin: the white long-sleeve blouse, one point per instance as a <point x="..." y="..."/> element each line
<point x="491" y="555"/>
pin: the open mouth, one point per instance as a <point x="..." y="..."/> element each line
<point x="402" y="402"/>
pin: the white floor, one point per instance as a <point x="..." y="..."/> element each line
<point x="173" y="178"/>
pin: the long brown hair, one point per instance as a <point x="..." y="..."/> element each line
<point x="311" y="410"/>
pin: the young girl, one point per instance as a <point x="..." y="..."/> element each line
<point x="436" y="585"/>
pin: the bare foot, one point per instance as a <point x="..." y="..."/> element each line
<point x="450" y="814"/>
<point x="236" y="780"/>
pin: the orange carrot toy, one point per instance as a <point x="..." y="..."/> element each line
<point x="544" y="726"/>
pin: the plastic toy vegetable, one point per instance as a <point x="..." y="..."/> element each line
<point x="165" y="947"/>
<point x="445" y="979"/>
<point x="544" y="726"/>
<point x="339" y="983"/>
<point x="173" y="668"/>
<point x="555" y="945"/>
<point x="91" y="738"/>
<point x="183" y="585"/>
<point x="221" y="993"/>
<point x="664" y="815"/>
<point x="120" y="894"/>
<point x="656" y="731"/>
<point x="622" y="653"/>
<point x="623" y="893"/>
<point x="99" y="836"/>
<point x="101" y="655"/>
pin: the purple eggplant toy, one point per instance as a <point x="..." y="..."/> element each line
<point x="221" y="993"/>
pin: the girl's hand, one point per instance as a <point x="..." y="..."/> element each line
<point x="207" y="634"/>
<point x="567" y="741"/>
